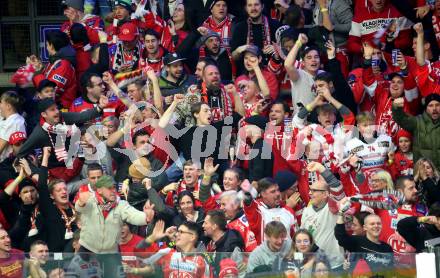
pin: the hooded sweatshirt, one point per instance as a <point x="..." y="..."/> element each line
<point x="262" y="255"/>
<point x="61" y="70"/>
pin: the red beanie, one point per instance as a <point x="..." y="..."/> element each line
<point x="401" y="133"/>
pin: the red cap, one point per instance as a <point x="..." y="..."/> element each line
<point x="17" y="137"/>
<point x="228" y="266"/>
<point x="128" y="32"/>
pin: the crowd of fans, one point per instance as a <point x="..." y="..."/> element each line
<point x="217" y="138"/>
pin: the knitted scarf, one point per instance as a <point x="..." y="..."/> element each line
<point x="105" y="206"/>
<point x="222" y="28"/>
<point x="386" y="199"/>
<point x="68" y="221"/>
<point x="266" y="32"/>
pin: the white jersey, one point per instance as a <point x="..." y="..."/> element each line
<point x="373" y="155"/>
<point x="280" y="214"/>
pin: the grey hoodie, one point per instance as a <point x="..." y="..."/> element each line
<point x="262" y="255"/>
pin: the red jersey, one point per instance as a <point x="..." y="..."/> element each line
<point x="62" y="73"/>
<point x="271" y="79"/>
<point x="169" y="199"/>
<point x="366" y="22"/>
<point x="402" y="166"/>
<point x="12" y="267"/>
<point x="177" y="265"/>
<point x="130" y="253"/>
<point x="114" y="108"/>
<point x="390" y="218"/>
<point x="241" y="225"/>
<point x="380" y="93"/>
<point x="427" y="78"/>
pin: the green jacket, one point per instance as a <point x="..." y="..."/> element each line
<point x="426" y="134"/>
<point x="101" y="235"/>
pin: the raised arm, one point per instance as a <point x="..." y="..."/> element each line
<point x="420" y="51"/>
<point x="108" y="79"/>
<point x="289" y="63"/>
<point x="265" y="91"/>
<point x="326" y="21"/>
<point x="166" y="117"/>
<point x="238" y="104"/>
<point x="87" y="115"/>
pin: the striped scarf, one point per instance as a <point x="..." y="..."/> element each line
<point x="222" y="28"/>
<point x="386" y="199"/>
<point x="265" y="35"/>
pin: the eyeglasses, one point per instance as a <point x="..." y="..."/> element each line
<point x="304" y="241"/>
<point x="313" y="190"/>
<point x="184" y="232"/>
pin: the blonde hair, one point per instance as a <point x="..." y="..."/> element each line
<point x="384" y="175"/>
<point x="365" y="117"/>
<point x="418" y="166"/>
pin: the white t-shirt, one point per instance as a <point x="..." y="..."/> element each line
<point x="9" y="126"/>
<point x="302" y="89"/>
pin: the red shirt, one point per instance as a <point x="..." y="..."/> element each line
<point x="114" y="108"/>
<point x="177" y="265"/>
<point x="12" y="267"/>
<point x="130" y="253"/>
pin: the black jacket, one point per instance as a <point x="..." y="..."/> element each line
<point x="415" y="233"/>
<point x="138" y="195"/>
<point x="39" y="138"/>
<point x="260" y="166"/>
<point x="430" y="191"/>
<point x="54" y="225"/>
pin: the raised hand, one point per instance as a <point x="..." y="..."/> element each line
<point x="401" y="61"/>
<point x="421" y="12"/>
<point x="149" y="211"/>
<point x="315" y="167"/>
<point x="208" y="168"/>
<point x="103" y="102"/>
<point x="158" y="230"/>
<point x="254" y="63"/>
<point x="203" y="30"/>
<point x="231" y="89"/>
<point x="303" y="39"/>
<point x="108" y="78"/>
<point x="293" y="200"/>
<point x="368" y="50"/>
<point x="331" y="49"/>
<point x="178" y="98"/>
<point x="418" y="27"/>
<point x="25" y="167"/>
<point x="147" y="183"/>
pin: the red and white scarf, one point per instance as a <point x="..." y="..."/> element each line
<point x="68" y="221"/>
<point x="59" y="129"/>
<point x="105" y="206"/>
<point x="222" y="28"/>
<point x="266" y="32"/>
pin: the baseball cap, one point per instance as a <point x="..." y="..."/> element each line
<point x="76" y="4"/>
<point x="252" y="49"/>
<point x="44" y="104"/>
<point x="128" y="32"/>
<point x="172" y="58"/>
<point x="45" y="83"/>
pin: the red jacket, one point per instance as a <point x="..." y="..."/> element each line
<point x="402" y="166"/>
<point x="150" y="21"/>
<point x="61" y="71"/>
<point x="427" y="78"/>
<point x="367" y="22"/>
<point x="241" y="225"/>
<point x="380" y="94"/>
<point x="83" y="61"/>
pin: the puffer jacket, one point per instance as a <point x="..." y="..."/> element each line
<point x="426" y="134"/>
